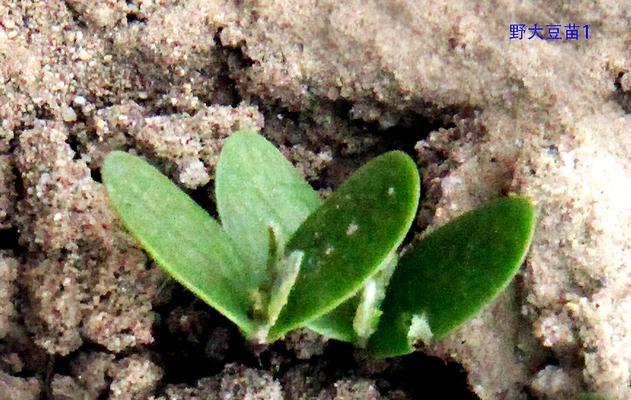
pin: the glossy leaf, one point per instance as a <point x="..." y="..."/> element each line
<point x="346" y="240"/>
<point x="356" y="319"/>
<point x="338" y="323"/>
<point x="257" y="188"/>
<point x="180" y="236"/>
<point x="452" y="273"/>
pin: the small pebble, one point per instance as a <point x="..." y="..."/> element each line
<point x="68" y="114"/>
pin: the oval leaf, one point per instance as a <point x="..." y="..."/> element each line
<point x="452" y="273"/>
<point x="257" y="188"/>
<point x="346" y="240"/>
<point x="180" y="236"/>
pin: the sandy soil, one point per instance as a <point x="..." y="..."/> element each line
<point x="84" y="314"/>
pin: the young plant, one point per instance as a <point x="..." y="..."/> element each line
<point x="442" y="281"/>
<point x="452" y="273"/>
<point x="280" y="257"/>
<point x="283" y="259"/>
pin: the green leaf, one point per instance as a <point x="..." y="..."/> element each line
<point x="257" y="188"/>
<point x="356" y="319"/>
<point x="180" y="236"/>
<point x="338" y="323"/>
<point x="451" y="274"/>
<point x="346" y="240"/>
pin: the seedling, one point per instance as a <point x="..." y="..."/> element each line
<point x="452" y="273"/>
<point x="283" y="259"/>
